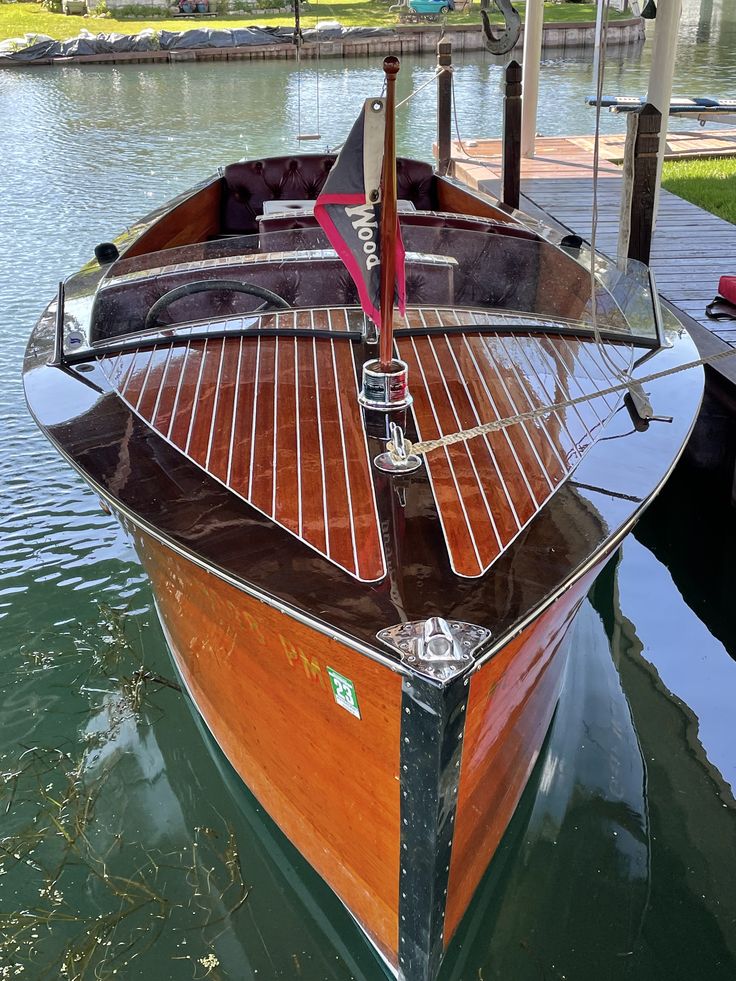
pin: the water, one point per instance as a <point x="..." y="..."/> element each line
<point x="126" y="848"/>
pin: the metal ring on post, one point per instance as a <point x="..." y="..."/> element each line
<point x="385" y="390"/>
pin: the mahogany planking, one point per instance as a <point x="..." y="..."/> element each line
<point x="265" y="414"/>
<point x="512" y="698"/>
<point x="195" y="219"/>
<point x="452" y="197"/>
<point x="480" y="503"/>
<point x="275" y="419"/>
<point x="260" y="681"/>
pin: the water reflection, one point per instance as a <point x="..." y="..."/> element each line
<point x="618" y="862"/>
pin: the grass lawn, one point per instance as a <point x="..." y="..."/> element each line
<point x="17" y="19"/>
<point x="711" y="183"/>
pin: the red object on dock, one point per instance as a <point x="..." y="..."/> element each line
<point x="727" y="288"/>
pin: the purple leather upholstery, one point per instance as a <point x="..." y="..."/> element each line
<point x="301" y="178"/>
<point x="282" y="231"/>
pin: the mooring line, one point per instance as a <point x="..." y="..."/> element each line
<point x="464" y="435"/>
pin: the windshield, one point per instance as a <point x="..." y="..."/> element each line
<point x="472" y="275"/>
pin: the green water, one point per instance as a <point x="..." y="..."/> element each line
<point x="127" y="847"/>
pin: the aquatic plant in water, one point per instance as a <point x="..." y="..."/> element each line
<point x="81" y="897"/>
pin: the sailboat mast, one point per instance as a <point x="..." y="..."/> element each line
<point x="391" y="67"/>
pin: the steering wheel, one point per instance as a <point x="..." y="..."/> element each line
<point x="271" y="300"/>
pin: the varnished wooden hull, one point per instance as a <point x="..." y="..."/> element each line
<point x="334" y="782"/>
<point x="260" y="680"/>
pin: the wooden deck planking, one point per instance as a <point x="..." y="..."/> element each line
<point x="276" y="420"/>
<point x="691" y="248"/>
<point x="482" y="506"/>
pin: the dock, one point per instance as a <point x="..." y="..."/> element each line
<point x="691" y="248"/>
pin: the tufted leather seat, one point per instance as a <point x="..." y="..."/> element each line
<point x="247" y="185"/>
<point x="282" y="231"/>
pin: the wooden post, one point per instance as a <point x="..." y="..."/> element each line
<point x="639" y="184"/>
<point x="444" y="108"/>
<point x="533" y="24"/>
<point x="511" y="167"/>
<point x="389" y="219"/>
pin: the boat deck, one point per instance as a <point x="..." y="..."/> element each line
<point x="691" y="249"/>
<point x="277" y="421"/>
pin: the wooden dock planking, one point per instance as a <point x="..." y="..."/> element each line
<point x="692" y="248"/>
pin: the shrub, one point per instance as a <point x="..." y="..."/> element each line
<point x="135" y="11"/>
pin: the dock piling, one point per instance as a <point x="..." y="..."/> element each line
<point x="444" y="107"/>
<point x="639" y="190"/>
<point x="511" y="165"/>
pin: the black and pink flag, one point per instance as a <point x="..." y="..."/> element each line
<point x="349" y="209"/>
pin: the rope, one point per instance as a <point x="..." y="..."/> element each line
<point x="464" y="435"/>
<point x="457" y="131"/>
<point x="416" y="91"/>
<point x="440" y="69"/>
<point x="599" y="82"/>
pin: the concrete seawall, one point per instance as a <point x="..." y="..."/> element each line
<point x="404" y="39"/>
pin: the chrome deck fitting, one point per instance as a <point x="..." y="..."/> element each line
<point x="385" y="389"/>
<point x="441" y="648"/>
<point x="396" y="459"/>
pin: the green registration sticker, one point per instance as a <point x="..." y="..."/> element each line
<point x="344" y="691"/>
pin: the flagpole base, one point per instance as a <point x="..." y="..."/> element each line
<point x="385" y="389"/>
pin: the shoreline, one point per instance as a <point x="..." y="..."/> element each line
<point x="402" y="40"/>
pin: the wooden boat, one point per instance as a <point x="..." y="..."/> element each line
<point x="376" y="641"/>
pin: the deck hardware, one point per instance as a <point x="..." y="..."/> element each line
<point x="435" y="646"/>
<point x="106" y="252"/>
<point x="369" y="332"/>
<point x="385" y="390"/>
<point x="504" y="41"/>
<point x="640" y="402"/>
<point x="395" y="459"/>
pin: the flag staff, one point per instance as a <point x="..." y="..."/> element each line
<point x="389" y="218"/>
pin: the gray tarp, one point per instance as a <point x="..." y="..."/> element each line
<point x="213" y="37"/>
<point x="334" y="33"/>
<point x="205" y="37"/>
<point x="34" y="52"/>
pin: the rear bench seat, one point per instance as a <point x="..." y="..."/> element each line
<point x="248" y="184"/>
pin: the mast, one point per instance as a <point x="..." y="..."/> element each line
<point x="391" y="67"/>
<point x="384" y="387"/>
